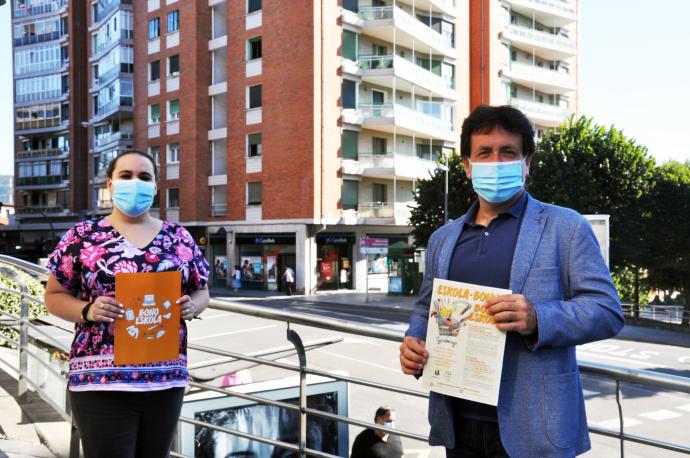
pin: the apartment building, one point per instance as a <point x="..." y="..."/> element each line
<point x="524" y="53"/>
<point x="51" y="152"/>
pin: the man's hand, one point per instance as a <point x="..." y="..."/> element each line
<point x="413" y="355"/>
<point x="513" y="312"/>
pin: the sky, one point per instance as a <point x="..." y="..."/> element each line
<point x="633" y="73"/>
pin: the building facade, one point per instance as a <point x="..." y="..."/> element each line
<point x="285" y="132"/>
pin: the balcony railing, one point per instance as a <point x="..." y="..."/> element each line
<point x="109" y="74"/>
<point x="219" y="209"/>
<point x="546" y="38"/>
<point x="407" y="22"/>
<point x="531" y="108"/>
<point x="34" y="10"/>
<point x="109" y="8"/>
<point x="41" y="96"/>
<point x="410" y="115"/>
<point x="542" y="75"/>
<point x="124" y="35"/>
<point x="114" y="104"/>
<point x="44" y="180"/>
<point x="104" y="139"/>
<point x="558" y="5"/>
<point x="40" y="38"/>
<point x="404" y="65"/>
<point x="38" y="153"/>
<point x="38" y="209"/>
<point x="41" y="123"/>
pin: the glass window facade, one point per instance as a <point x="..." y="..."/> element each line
<point x="37" y="59"/>
<point x="39" y="88"/>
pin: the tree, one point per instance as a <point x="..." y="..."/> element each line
<point x="427" y="215"/>
<point x="597" y="170"/>
<point x="668" y="229"/>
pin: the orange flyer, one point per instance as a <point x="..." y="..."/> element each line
<point x="150" y="329"/>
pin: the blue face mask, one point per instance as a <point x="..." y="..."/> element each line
<point x="497" y="182"/>
<point x="133" y="197"/>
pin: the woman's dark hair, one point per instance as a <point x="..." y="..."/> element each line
<point x="485" y="118"/>
<point x="113" y="163"/>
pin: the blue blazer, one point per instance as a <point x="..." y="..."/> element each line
<point x="558" y="266"/>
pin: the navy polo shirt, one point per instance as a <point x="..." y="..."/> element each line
<point x="484" y="256"/>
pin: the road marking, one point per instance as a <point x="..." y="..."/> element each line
<point x="621" y="360"/>
<point x="234" y="332"/>
<point x="614" y="423"/>
<point x="590" y="392"/>
<point x="212" y="317"/>
<point x="661" y="414"/>
<point x="685" y="407"/>
<point x="359" y="361"/>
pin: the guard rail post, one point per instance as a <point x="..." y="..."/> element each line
<point x="293" y="337"/>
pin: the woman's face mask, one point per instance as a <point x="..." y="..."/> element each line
<point x="133" y="197"/>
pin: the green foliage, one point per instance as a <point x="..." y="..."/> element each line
<point x="624" y="279"/>
<point x="11" y="303"/>
<point x="427" y="215"/>
<point x="668" y="229"/>
<point x="597" y="170"/>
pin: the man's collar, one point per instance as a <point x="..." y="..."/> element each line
<point x="514" y="210"/>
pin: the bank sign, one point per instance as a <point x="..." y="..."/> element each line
<point x="371" y="245"/>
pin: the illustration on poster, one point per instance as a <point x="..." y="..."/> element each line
<point x="149" y="316"/>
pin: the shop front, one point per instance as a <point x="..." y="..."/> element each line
<point x="334" y="261"/>
<point x="262" y="259"/>
<point x="219" y="259"/>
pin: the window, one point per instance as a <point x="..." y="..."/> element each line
<point x="378" y="145"/>
<point x="254" y="48"/>
<point x="172" y="23"/>
<point x="254" y="145"/>
<point x="513" y="91"/>
<point x="155" y="70"/>
<point x="174" y="109"/>
<point x="351" y="5"/>
<point x="254" y="193"/>
<point x="173" y="198"/>
<point x="350" y="198"/>
<point x="155" y="153"/>
<point x="350" y="45"/>
<point x="154" y="114"/>
<point x="349" y="95"/>
<point x="154" y="28"/>
<point x="174" y="65"/>
<point x="173" y="153"/>
<point x="253" y="6"/>
<point x="255" y="96"/>
<point x="378" y="192"/>
<point x="350" y="147"/>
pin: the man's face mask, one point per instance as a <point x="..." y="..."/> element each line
<point x="497" y="182"/>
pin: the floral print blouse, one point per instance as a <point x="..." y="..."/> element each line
<point x="85" y="262"/>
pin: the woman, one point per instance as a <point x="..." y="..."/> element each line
<point x="123" y="411"/>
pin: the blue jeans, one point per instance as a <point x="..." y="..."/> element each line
<point x="476" y="438"/>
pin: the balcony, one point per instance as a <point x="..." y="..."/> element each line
<point x="556" y="13"/>
<point x="379" y="213"/>
<point x="123" y="103"/>
<point x="41" y="125"/>
<point x="407" y="121"/>
<point x="40" y="38"/>
<point x="100" y="48"/>
<point x="379" y="70"/>
<point x="35" y="10"/>
<point x="107" y="140"/>
<point x="43" y="209"/>
<point x="44" y="182"/>
<point x="541" y="79"/>
<point x="447" y="7"/>
<point x="543" y="114"/>
<point x="388" y="165"/>
<point x="103" y="12"/>
<point x="38" y="154"/>
<point x="219" y="209"/>
<point x="391" y="24"/>
<point x="546" y="45"/>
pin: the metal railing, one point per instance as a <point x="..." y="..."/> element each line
<point x="24" y="325"/>
<point x="674" y="314"/>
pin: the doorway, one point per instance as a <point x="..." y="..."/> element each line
<point x="285" y="260"/>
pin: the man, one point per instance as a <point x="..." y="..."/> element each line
<point x="563" y="296"/>
<point x="289" y="278"/>
<point x="378" y="444"/>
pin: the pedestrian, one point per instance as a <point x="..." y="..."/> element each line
<point x="236" y="278"/>
<point x="563" y="296"/>
<point x="289" y="279"/>
<point x="127" y="410"/>
<point x="372" y="443"/>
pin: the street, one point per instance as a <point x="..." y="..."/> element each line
<point x="647" y="411"/>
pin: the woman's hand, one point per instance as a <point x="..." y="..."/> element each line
<point x="105" y="309"/>
<point x="187" y="307"/>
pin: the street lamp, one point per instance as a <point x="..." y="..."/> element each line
<point x="444" y="168"/>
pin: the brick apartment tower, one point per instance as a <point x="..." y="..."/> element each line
<point x="524" y="53"/>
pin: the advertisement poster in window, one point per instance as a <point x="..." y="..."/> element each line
<point x="271" y="264"/>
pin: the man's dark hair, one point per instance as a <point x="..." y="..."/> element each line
<point x="485" y="118"/>
<point x="113" y="163"/>
<point x="383" y="411"/>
